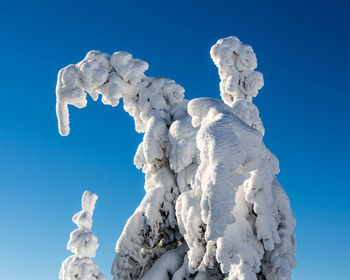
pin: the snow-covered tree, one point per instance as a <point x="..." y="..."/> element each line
<point x="213" y="208"/>
<point x="83" y="243"/>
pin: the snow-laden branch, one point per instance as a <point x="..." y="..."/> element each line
<point x="83" y="243"/>
<point x="213" y="208"/>
<point x="114" y="77"/>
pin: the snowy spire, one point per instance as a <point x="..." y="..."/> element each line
<point x="83" y="243"/>
<point x="239" y="80"/>
<point x="236" y="62"/>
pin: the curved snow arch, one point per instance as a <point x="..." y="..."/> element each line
<point x="209" y="180"/>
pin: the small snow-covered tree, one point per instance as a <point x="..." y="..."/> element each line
<point x="213" y="208"/>
<point x="83" y="243"/>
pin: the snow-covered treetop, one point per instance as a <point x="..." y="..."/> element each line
<point x="236" y="62"/>
<point x="83" y="243"/>
<point x="239" y="80"/>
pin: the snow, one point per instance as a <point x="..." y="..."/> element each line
<point x="167" y="265"/>
<point x="213" y="208"/>
<point x="239" y="80"/>
<point x="83" y="242"/>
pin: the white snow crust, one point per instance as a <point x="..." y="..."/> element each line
<point x="213" y="208"/>
<point x="83" y="243"/>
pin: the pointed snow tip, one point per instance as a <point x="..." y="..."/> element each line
<point x="88" y="201"/>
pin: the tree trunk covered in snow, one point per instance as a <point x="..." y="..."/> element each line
<point x="213" y="208"/>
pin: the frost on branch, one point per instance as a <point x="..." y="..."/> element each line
<point x="83" y="243"/>
<point x="213" y="208"/>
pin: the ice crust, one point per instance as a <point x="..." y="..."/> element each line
<point x="83" y="243"/>
<point x="213" y="208"/>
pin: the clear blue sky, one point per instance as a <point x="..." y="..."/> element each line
<point x="303" y="52"/>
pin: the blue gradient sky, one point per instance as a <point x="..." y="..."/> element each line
<point x="303" y="52"/>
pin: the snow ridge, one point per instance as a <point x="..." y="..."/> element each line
<point x="213" y="208"/>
